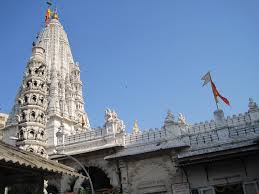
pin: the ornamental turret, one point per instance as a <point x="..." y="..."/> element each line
<point x="32" y="105"/>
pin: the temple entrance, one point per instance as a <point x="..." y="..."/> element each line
<point x="101" y="182"/>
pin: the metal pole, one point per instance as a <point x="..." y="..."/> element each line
<point x="82" y="166"/>
<point x="215" y="97"/>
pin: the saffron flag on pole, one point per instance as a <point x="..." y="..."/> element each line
<point x="47" y="15"/>
<point x="207" y="78"/>
<point x="217" y="94"/>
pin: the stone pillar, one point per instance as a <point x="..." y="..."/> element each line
<point x="124" y="176"/>
<point x="219" y="117"/>
<point x="253" y="110"/>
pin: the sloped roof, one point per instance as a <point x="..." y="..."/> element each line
<point x="27" y="159"/>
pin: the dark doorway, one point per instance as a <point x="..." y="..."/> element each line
<point x="229" y="189"/>
<point x="99" y="179"/>
<point x="52" y="189"/>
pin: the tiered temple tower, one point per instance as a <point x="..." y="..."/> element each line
<point x="63" y="105"/>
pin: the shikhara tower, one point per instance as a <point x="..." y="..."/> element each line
<point x="50" y="98"/>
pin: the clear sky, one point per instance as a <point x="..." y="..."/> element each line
<point x="143" y="57"/>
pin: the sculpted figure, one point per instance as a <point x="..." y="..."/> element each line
<point x="108" y="115"/>
<point x="181" y="119"/>
<point x="121" y="126"/>
<point x="112" y="117"/>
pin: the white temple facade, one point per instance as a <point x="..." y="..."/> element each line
<point x="220" y="156"/>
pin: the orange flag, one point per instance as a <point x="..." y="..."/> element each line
<point x="217" y="94"/>
<point x="47" y="16"/>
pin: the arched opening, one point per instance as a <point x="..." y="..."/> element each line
<point x="34" y="98"/>
<point x="52" y="189"/>
<point x="101" y="182"/>
<point x="26" y="98"/>
<point x="21" y="135"/>
<point x="33" y="114"/>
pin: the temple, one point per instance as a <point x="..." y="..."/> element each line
<point x="48" y="117"/>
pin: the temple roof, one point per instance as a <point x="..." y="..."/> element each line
<point x="14" y="155"/>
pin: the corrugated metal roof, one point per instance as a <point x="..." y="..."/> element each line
<point x="15" y="155"/>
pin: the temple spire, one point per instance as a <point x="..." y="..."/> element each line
<point x="63" y="98"/>
<point x="55" y="14"/>
<point x="136" y="130"/>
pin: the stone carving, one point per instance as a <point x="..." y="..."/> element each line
<point x="112" y="122"/>
<point x="252" y="105"/>
<point x="110" y="116"/>
<point x="181" y="119"/>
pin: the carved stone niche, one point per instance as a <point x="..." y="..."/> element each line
<point x="34" y="99"/>
<point x="22" y="134"/>
<point x="41" y="117"/>
<point x="33" y="115"/>
<point x="41" y="134"/>
<point x="26" y="99"/>
<point x="28" y="84"/>
<point x="31" y="133"/>
<point x="20" y="101"/>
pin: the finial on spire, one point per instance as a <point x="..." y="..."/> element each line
<point x="55" y="14"/>
<point x="136" y="130"/>
<point x="48" y="13"/>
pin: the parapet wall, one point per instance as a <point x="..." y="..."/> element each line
<point x="204" y="134"/>
<point x="235" y="120"/>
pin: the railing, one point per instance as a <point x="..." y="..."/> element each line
<point x="235" y="120"/>
<point x="216" y="136"/>
<point x="204" y="138"/>
<point x="211" y="137"/>
<point x="244" y="131"/>
<point x="85" y="136"/>
<point x="149" y="136"/>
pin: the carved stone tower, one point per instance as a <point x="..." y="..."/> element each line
<point x="32" y="105"/>
<point x="64" y="99"/>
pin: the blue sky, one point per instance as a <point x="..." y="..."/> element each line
<point x="143" y="57"/>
